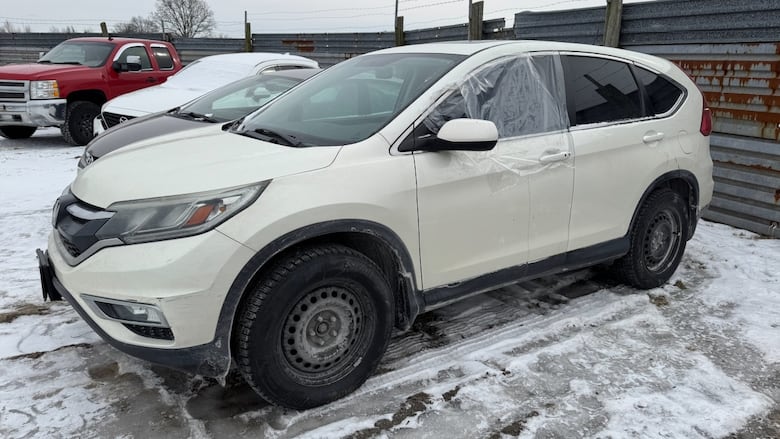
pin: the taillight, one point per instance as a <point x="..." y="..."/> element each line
<point x="706" y="120"/>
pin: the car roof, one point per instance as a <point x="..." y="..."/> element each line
<point x="471" y="47"/>
<point x="118" y="40"/>
<point x="251" y="58"/>
<point x="293" y="73"/>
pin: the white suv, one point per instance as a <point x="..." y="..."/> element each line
<point x="291" y="242"/>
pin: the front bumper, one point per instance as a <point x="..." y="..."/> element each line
<point x="37" y="113"/>
<point x="212" y="359"/>
<point x="187" y="279"/>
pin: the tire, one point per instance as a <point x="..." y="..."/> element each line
<point x="17" y="132"/>
<point x="658" y="241"/>
<point x="77" y="129"/>
<point x="315" y="327"/>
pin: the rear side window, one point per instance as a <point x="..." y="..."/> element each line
<point x="163" y="57"/>
<point x="662" y="93"/>
<point x="600" y="90"/>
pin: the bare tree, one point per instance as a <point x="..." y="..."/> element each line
<point x="186" y="18"/>
<point x="138" y="25"/>
<point x="9" y="28"/>
<point x="70" y="29"/>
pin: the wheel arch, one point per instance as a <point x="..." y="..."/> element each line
<point x="377" y="242"/>
<point x="95" y="96"/>
<point x="680" y="181"/>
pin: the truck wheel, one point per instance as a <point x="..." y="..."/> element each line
<point x="17" y="132"/>
<point x="77" y="129"/>
<point x="657" y="241"/>
<point x="315" y="327"/>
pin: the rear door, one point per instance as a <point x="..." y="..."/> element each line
<point x="621" y="145"/>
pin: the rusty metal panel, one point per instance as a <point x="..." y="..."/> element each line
<point x="747" y="183"/>
<point x="740" y="81"/>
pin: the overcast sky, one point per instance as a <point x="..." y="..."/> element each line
<point x="278" y="16"/>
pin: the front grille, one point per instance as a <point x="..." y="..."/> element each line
<point x="15" y="91"/>
<point x="113" y="119"/>
<point x="151" y="331"/>
<point x="77" y="234"/>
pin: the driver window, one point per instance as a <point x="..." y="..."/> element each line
<point x="522" y="95"/>
<point x="139" y="51"/>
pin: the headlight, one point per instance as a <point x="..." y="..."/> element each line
<point x="157" y="219"/>
<point x="44" y="90"/>
<point x="86" y="159"/>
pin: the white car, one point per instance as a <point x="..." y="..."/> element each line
<point x="194" y="80"/>
<point x="293" y="241"/>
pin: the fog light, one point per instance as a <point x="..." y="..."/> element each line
<point x="127" y="312"/>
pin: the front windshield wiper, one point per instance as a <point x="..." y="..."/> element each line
<point x="44" y="61"/>
<point x="272" y="136"/>
<point x="196" y="116"/>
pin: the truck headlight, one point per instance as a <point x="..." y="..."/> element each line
<point x="44" y="90"/>
<point x="156" y="219"/>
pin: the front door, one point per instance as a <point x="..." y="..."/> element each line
<point x="481" y="212"/>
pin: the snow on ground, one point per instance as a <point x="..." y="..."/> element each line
<point x="569" y="356"/>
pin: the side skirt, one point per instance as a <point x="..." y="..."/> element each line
<point x="573" y="260"/>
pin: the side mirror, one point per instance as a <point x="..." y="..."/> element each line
<point x="125" y="67"/>
<point x="460" y="135"/>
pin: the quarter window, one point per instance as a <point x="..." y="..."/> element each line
<point x="600" y="90"/>
<point x="163" y="57"/>
<point x="662" y="93"/>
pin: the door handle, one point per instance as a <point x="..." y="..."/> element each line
<point x="555" y="157"/>
<point x="151" y="79"/>
<point x="652" y="137"/>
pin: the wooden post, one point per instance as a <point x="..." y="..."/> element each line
<point x="248" y="37"/>
<point x="613" y="23"/>
<point x="399" y="31"/>
<point x="104" y="29"/>
<point x="475" y="21"/>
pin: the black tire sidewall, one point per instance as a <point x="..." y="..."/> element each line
<point x="657" y="203"/>
<point x="17" y="132"/>
<point x="77" y="113"/>
<point x="267" y="361"/>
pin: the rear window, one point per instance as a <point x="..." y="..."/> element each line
<point x="600" y="90"/>
<point x="662" y="93"/>
<point x="163" y="57"/>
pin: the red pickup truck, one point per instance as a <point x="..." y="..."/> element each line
<point x="67" y="86"/>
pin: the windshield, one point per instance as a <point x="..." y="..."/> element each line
<point x="92" y="54"/>
<point x="351" y="101"/>
<point x="240" y="98"/>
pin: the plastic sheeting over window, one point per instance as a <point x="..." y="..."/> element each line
<point x="522" y="95"/>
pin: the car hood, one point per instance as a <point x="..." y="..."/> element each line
<point x="141" y="128"/>
<point x="152" y="99"/>
<point x="36" y="71"/>
<point x="197" y="160"/>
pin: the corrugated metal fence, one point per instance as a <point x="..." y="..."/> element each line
<point x="327" y="49"/>
<point x="732" y="50"/>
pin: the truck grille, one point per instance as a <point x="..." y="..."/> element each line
<point x="13" y="91"/>
<point x="113" y="119"/>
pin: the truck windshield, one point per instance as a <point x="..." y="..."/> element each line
<point x="348" y="102"/>
<point x="91" y="54"/>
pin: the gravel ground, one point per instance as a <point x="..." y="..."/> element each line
<point x="563" y="357"/>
